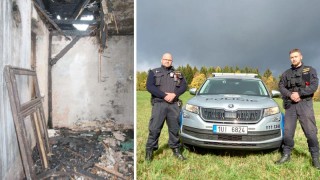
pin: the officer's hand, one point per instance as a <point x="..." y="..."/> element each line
<point x="295" y="97"/>
<point x="169" y="97"/>
<point x="297" y="100"/>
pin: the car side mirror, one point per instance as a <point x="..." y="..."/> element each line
<point x="275" y="94"/>
<point x="193" y="91"/>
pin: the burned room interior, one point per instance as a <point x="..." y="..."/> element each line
<point x="66" y="89"/>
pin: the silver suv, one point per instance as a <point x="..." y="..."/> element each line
<point x="232" y="111"/>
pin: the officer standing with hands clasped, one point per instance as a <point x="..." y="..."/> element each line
<point x="297" y="86"/>
<point x="165" y="85"/>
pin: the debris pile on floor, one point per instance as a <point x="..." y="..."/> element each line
<point x="98" y="152"/>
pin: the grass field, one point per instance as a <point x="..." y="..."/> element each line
<point x="218" y="164"/>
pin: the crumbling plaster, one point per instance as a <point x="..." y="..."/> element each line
<point x="87" y="88"/>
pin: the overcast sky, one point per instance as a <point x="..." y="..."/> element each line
<point x="254" y="33"/>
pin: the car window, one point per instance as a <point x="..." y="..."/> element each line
<point x="234" y="86"/>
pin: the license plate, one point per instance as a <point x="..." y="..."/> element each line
<point x="230" y="129"/>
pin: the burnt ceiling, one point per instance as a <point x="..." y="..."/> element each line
<point x="104" y="17"/>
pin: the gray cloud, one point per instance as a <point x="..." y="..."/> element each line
<point x="224" y="32"/>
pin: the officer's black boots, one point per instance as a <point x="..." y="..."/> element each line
<point x="284" y="158"/>
<point x="178" y="154"/>
<point x="315" y="163"/>
<point x="149" y="155"/>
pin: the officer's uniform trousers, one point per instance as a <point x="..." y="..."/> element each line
<point x="162" y="111"/>
<point x="303" y="111"/>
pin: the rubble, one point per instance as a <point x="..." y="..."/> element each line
<point x="119" y="136"/>
<point x="93" y="152"/>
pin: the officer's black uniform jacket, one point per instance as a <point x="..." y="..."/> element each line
<point x="159" y="82"/>
<point x="306" y="87"/>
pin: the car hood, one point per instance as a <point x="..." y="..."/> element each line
<point x="232" y="102"/>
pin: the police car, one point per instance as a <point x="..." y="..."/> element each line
<point x="232" y="111"/>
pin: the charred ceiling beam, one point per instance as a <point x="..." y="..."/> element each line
<point x="80" y="9"/>
<point x="64" y="50"/>
<point x="49" y="19"/>
<point x="70" y="21"/>
<point x="75" y="33"/>
<point x="91" y="33"/>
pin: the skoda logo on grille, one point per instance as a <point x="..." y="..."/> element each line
<point x="230" y="105"/>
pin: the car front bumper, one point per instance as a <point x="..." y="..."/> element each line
<point x="251" y="141"/>
<point x="266" y="134"/>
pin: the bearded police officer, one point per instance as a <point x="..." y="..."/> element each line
<point x="297" y="86"/>
<point x="165" y="85"/>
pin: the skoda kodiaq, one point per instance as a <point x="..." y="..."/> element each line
<point x="232" y="111"/>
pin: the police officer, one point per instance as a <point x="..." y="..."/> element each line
<point x="165" y="85"/>
<point x="297" y="86"/>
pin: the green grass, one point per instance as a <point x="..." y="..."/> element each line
<point x="218" y="164"/>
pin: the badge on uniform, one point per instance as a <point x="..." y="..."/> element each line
<point x="171" y="74"/>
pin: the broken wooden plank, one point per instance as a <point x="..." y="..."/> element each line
<point x="42" y="152"/>
<point x="116" y="173"/>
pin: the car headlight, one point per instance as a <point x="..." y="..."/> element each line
<point x="271" y="111"/>
<point x="192" y="108"/>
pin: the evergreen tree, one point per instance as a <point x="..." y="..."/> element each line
<point x="218" y="69"/>
<point x="267" y="73"/>
<point x="226" y="69"/>
<point x="232" y="70"/>
<point x="246" y="69"/>
<point x="195" y="70"/>
<point x="210" y="71"/>
<point x="188" y="74"/>
<point x="204" y="70"/>
<point x="237" y="69"/>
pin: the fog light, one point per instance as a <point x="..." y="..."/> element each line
<point x="185" y="115"/>
<point x="276" y="119"/>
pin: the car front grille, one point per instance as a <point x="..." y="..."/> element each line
<point x="251" y="136"/>
<point x="248" y="116"/>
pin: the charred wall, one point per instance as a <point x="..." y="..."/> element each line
<point x="91" y="86"/>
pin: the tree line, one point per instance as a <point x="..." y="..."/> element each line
<point x="196" y="77"/>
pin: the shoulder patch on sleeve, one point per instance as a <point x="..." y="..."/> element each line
<point x="306" y="69"/>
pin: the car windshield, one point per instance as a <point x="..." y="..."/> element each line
<point x="233" y="86"/>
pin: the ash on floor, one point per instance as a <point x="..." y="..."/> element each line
<point x="102" y="153"/>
